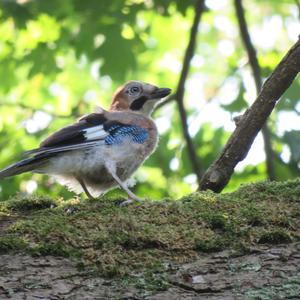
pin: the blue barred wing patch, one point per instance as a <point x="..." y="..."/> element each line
<point x="118" y="133"/>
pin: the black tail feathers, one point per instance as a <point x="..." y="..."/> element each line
<point x="25" y="165"/>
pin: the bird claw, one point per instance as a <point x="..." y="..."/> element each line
<point x="130" y="200"/>
<point x="126" y="202"/>
<point x="70" y="210"/>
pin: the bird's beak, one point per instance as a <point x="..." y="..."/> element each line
<point x="160" y="93"/>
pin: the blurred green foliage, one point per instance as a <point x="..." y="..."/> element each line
<point x="58" y="59"/>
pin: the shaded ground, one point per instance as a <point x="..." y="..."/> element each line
<point x="243" y="245"/>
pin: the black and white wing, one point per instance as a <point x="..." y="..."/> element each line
<point x="91" y="130"/>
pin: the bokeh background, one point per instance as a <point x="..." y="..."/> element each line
<point x="59" y="59"/>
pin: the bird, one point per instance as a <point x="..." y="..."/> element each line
<point x="102" y="149"/>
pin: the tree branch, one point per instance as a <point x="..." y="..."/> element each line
<point x="238" y="145"/>
<point x="297" y="2"/>
<point x="33" y="110"/>
<point x="179" y="95"/>
<point x="256" y="70"/>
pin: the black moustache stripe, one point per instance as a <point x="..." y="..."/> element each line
<point x="138" y="103"/>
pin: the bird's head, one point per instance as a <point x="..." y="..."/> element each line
<point x="138" y="96"/>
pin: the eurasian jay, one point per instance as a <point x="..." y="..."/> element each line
<point x="102" y="149"/>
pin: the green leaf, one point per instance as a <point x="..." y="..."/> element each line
<point x="292" y="138"/>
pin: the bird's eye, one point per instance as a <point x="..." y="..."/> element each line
<point x="134" y="90"/>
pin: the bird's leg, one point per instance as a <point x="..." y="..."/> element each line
<point x="81" y="182"/>
<point x="132" y="197"/>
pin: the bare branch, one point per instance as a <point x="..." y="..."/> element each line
<point x="256" y="70"/>
<point x="33" y="110"/>
<point x="238" y="145"/>
<point x="297" y="2"/>
<point x="179" y="95"/>
<point x="171" y="98"/>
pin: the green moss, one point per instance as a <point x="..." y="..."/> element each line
<point x="253" y="214"/>
<point x="289" y="289"/>
<point x="150" y="281"/>
<point x="275" y="237"/>
<point x="296" y="212"/>
<point x="23" y="204"/>
<point x="55" y="249"/>
<point x="12" y="243"/>
<point x="118" y="240"/>
<point x="288" y="190"/>
<point x="212" y="245"/>
<point x="216" y="221"/>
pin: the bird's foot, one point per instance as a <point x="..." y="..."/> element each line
<point x="130" y="200"/>
<point x="71" y="210"/>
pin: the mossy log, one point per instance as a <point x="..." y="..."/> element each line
<point x="110" y="241"/>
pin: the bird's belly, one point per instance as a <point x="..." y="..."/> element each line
<point x="126" y="159"/>
<point x="100" y="175"/>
